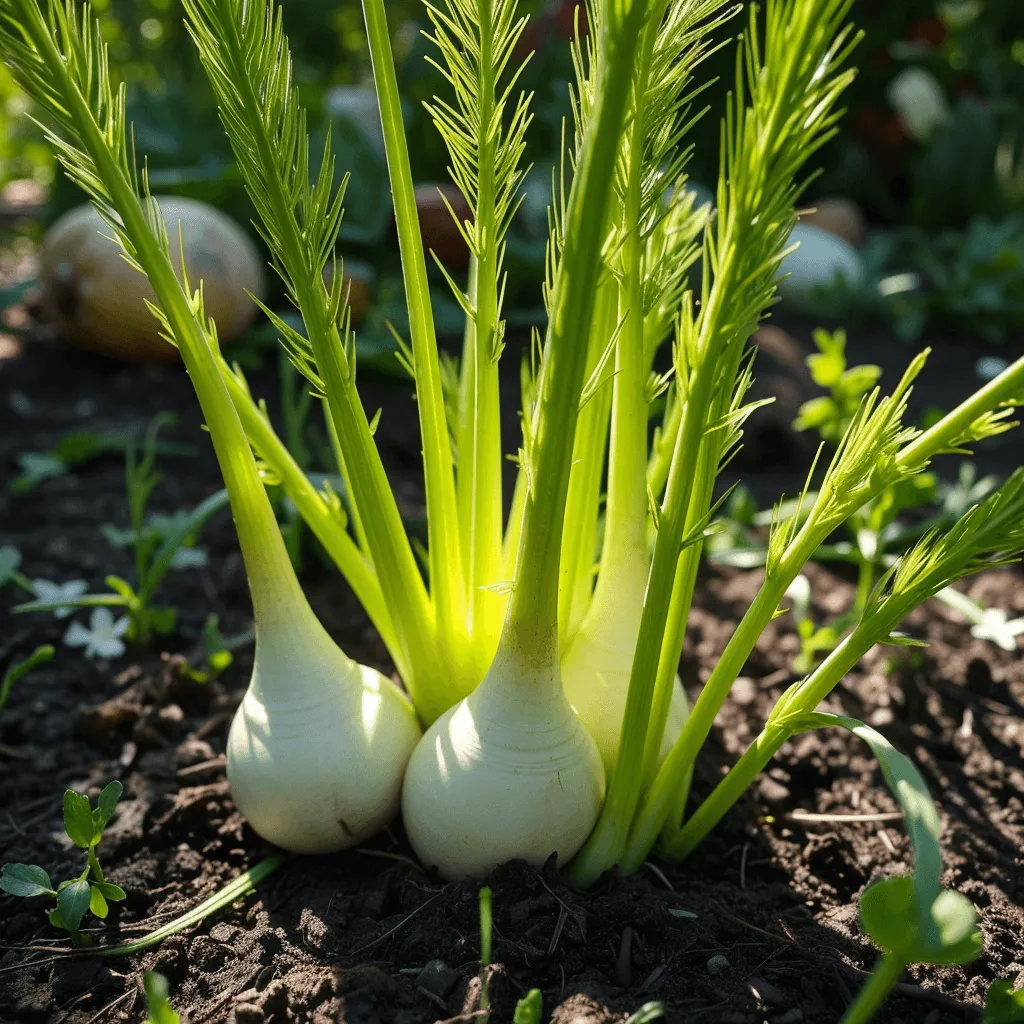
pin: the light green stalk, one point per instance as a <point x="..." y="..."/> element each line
<point x="791" y="114"/>
<point x="531" y="628"/>
<point x="476" y="40"/>
<point x="58" y="77"/>
<point x="971" y="420"/>
<point x="870" y="998"/>
<point x="326" y="527"/>
<point x="446" y="570"/>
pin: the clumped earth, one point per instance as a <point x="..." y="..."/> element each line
<point x="759" y="926"/>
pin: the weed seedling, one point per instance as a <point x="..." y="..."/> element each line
<point x="19" y="669"/>
<point x="90" y="891"/>
<point x="158" y="1005"/>
<point x="159" y="544"/>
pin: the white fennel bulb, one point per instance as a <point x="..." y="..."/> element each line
<point x="316" y="764"/>
<point x="595" y="674"/>
<point x="507" y="773"/>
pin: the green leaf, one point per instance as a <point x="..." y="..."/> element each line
<point x="157" y="1002"/>
<point x="78" y="819"/>
<point x="73" y="902"/>
<point x="39" y="656"/>
<point x="529" y="1008"/>
<point x="1003" y="1004"/>
<point x="114" y="893"/>
<point x="10" y="559"/>
<point x="97" y="902"/>
<point x="25" y="880"/>
<point x="122" y="587"/>
<point x="105" y="805"/>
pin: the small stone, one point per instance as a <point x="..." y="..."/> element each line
<point x="744" y="690"/>
<point x="437" y="977"/>
<point x="881" y="717"/>
<point x="718" y="964"/>
<point x="193" y="751"/>
<point x="171" y="714"/>
<point x="811" y="271"/>
<point x="768" y="993"/>
<point x="246" y="1013"/>
<point x="772" y="792"/>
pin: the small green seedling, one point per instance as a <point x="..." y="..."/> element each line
<point x="159" y="543"/>
<point x="216" y="651"/>
<point x="18" y="670"/>
<point x="90" y="891"/>
<point x="73" y="450"/>
<point x="158" y="1005"/>
<point x="486" y="925"/>
<point x="530" y="1008"/>
<point x="1003" y="1004"/>
<point x="831" y="415"/>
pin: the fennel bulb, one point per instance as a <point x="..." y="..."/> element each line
<point x="595" y="675"/>
<point x="316" y="764"/>
<point x="507" y="773"/>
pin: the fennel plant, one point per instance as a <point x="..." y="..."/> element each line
<point x="505" y="613"/>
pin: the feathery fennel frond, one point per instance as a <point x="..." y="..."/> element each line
<point x="247" y="59"/>
<point x="483" y="124"/>
<point x="988" y="535"/>
<point x="245" y="53"/>
<point x="865" y="462"/>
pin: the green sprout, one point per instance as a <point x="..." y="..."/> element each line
<point x="42" y="654"/>
<point x="158" y="1003"/>
<point x="90" y="891"/>
<point x="158" y="543"/>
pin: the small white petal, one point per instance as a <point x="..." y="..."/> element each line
<point x="102" y="620"/>
<point x="119" y="628"/>
<point x="77" y="635"/>
<point x="108" y="647"/>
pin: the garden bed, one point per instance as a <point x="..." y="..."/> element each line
<point x="760" y="925"/>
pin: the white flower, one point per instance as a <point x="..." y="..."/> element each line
<point x="103" y="637"/>
<point x="995" y="627"/>
<point x="51" y="593"/>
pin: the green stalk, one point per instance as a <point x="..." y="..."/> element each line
<point x="624" y="556"/>
<point x="531" y="628"/>
<point x="1007" y="387"/>
<point x="353" y="564"/>
<point x="217" y="26"/>
<point x="606" y="844"/>
<point x="582" y="506"/>
<point x="483" y="479"/>
<point x="766" y="745"/>
<point x="446" y="570"/>
<point x="658" y="801"/>
<point x="275" y="590"/>
<point x="870" y="998"/>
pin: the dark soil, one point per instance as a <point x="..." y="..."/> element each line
<point x="769" y="926"/>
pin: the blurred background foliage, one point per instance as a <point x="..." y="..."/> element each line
<point x="932" y="147"/>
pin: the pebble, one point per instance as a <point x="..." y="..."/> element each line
<point x="744" y="690"/>
<point x="772" y="792"/>
<point x="193" y="751"/>
<point x="768" y="993"/>
<point x="437" y="977"/>
<point x="718" y="964"/>
<point x="809" y="272"/>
